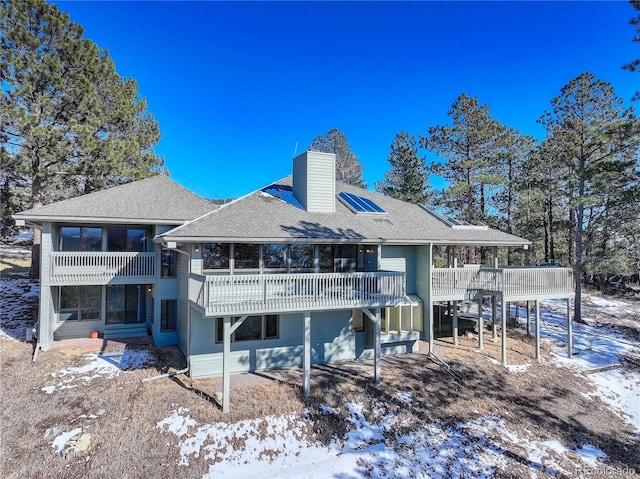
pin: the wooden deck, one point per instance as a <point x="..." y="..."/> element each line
<point x="79" y="267"/>
<point x="273" y="293"/>
<point x="458" y="284"/>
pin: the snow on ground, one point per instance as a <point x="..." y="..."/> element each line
<point x="99" y="365"/>
<point x="280" y="447"/>
<point x="596" y="346"/>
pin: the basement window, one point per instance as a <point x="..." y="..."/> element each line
<point x="254" y="328"/>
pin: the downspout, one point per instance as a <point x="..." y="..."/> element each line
<point x="188" y="368"/>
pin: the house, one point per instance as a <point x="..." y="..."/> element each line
<point x="306" y="270"/>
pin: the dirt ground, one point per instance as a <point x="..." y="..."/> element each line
<point x="121" y="412"/>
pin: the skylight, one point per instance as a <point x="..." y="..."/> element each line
<point x="284" y="193"/>
<point x="359" y="204"/>
<point x="452" y="222"/>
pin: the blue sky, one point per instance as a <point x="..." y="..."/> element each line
<point x="235" y="86"/>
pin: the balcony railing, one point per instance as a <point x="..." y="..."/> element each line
<point x="81" y="267"/>
<point x="272" y="293"/>
<point x="466" y="283"/>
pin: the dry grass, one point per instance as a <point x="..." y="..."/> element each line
<point x="121" y="413"/>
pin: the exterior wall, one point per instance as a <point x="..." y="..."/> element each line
<point x="423" y="286"/>
<point x="183" y="303"/>
<point x="46" y="311"/>
<point x="164" y="288"/>
<point x="401" y="259"/>
<point x="51" y="328"/>
<point x="332" y="340"/>
<point x="314" y="184"/>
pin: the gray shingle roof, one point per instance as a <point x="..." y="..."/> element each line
<point x="260" y="217"/>
<point x="155" y="200"/>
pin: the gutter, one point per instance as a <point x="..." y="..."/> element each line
<point x="188" y="368"/>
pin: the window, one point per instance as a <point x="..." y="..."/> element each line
<point x="254" y="328"/>
<point x="250" y="330"/>
<point x="76" y="238"/>
<point x="80" y="303"/>
<point x="301" y="257"/>
<point x="274" y="256"/>
<point x="326" y="258"/>
<point x="246" y="256"/>
<point x="123" y="239"/>
<point x="125" y="304"/>
<point x="215" y="255"/>
<point x="168" y="269"/>
<point x="168" y="315"/>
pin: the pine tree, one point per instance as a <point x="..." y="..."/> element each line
<point x="634" y="66"/>
<point x="408" y="179"/>
<point x="69" y="123"/>
<point x="348" y="167"/>
<point x="470" y="147"/>
<point x="596" y="139"/>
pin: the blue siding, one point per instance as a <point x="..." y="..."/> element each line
<point x="332" y="340"/>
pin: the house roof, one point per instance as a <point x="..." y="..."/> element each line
<point x="154" y="200"/>
<point x="263" y="217"/>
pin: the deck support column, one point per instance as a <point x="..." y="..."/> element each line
<point x="494" y="318"/>
<point x="528" y="319"/>
<point x="306" y="351"/>
<point x="569" y="330"/>
<point x="455" y="323"/>
<point x="377" y="349"/>
<point x="226" y="352"/>
<point x="537" y="319"/>
<point x="430" y="325"/>
<point x="480" y="324"/>
<point x="503" y="310"/>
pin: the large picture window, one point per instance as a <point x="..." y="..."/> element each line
<point x="77" y="238"/>
<point x="301" y="257"/>
<point x="246" y="256"/>
<point x="215" y="255"/>
<point x="125" y="304"/>
<point x="254" y="328"/>
<point x="274" y="256"/>
<point x="126" y="240"/>
<point x="80" y="303"/>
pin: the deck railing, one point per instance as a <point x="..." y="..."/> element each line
<point x="272" y="293"/>
<point x="457" y="283"/>
<point x="83" y="267"/>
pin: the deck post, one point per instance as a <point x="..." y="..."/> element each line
<point x="455" y="323"/>
<point x="226" y="352"/>
<point x="306" y="388"/>
<point x="430" y="324"/>
<point x="494" y="317"/>
<point x="480" y="324"/>
<point x="569" y="330"/>
<point x="503" y="310"/>
<point x="537" y="315"/>
<point x="528" y="319"/>
<point x="376" y="333"/>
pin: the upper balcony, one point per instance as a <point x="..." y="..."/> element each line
<point x="273" y="293"/>
<point x="70" y="268"/>
<point x="512" y="283"/>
